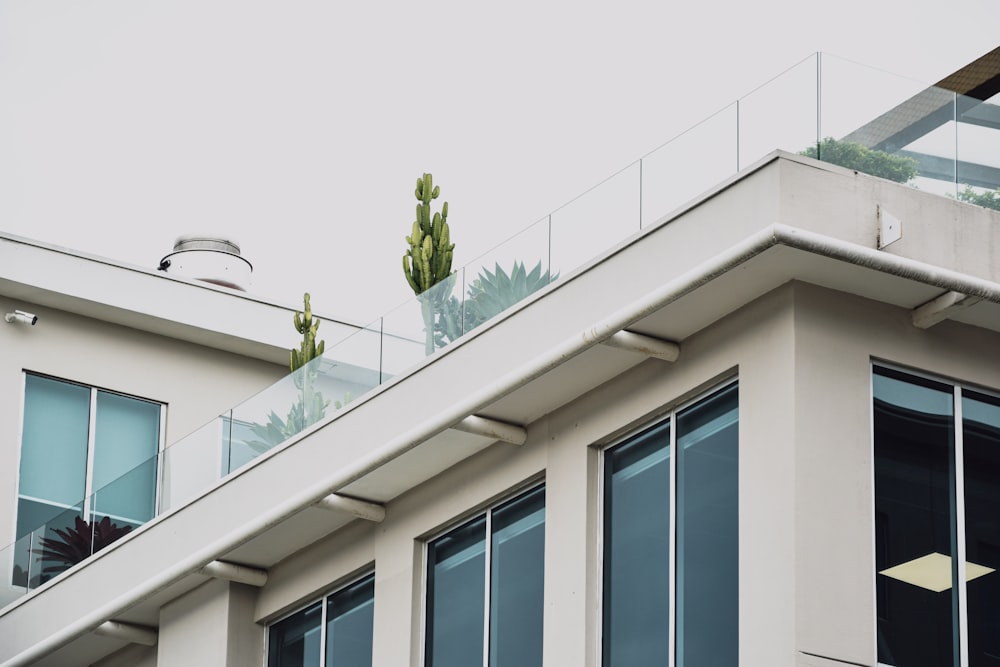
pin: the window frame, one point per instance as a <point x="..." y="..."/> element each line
<point x="486" y="510"/>
<point x="324" y="602"/>
<point x="91" y="442"/>
<point x="958" y="387"/>
<point x="666" y="416"/>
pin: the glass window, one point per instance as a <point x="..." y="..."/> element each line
<point x="647" y="489"/>
<point x="338" y="627"/>
<point x="488" y="568"/>
<point x="937" y="538"/>
<point x="87" y="473"/>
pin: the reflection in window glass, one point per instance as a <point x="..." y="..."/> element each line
<point x="638" y="494"/>
<point x="981" y="433"/>
<point x="708" y="532"/>
<point x="637" y="551"/>
<point x="465" y="569"/>
<point x="456" y="596"/>
<point x="295" y="641"/>
<point x="914" y="491"/>
<point x="348" y="614"/>
<point x="518" y="548"/>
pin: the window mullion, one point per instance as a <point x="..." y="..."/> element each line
<point x="963" y="617"/>
<point x="160" y="456"/>
<point x="88" y="486"/>
<point x="488" y="551"/>
<point x="322" y="631"/>
<point x="672" y="548"/>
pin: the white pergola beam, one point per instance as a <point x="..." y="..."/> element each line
<point x="651" y="347"/>
<point x="941" y="308"/>
<point x="360" y="508"/>
<point x="128" y="632"/>
<point x="491" y="428"/>
<point x="241" y="574"/>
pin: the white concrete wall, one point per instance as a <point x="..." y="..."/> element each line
<point x="211" y="625"/>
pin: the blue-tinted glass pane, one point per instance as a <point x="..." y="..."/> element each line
<point x="456" y="581"/>
<point x="53" y="447"/>
<point x="637" y="551"/>
<point x="126" y="441"/>
<point x="349" y="624"/>
<point x="914" y="518"/>
<point x="516" y="575"/>
<point x="981" y="431"/>
<point x="708" y="532"/>
<point x="294" y="642"/>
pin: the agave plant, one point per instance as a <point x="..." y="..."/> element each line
<point x="493" y="292"/>
<point x="77" y="543"/>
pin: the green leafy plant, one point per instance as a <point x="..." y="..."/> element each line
<point x="427" y="262"/>
<point x="76" y="543"/>
<point x="491" y="293"/>
<point x="310" y="407"/>
<point x="861" y="158"/>
<point x="986" y="199"/>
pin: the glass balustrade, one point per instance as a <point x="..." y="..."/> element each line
<point x="823" y="107"/>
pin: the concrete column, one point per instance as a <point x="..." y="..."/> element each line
<point x="211" y="625"/>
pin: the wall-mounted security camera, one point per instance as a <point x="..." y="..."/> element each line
<point x="21" y="317"/>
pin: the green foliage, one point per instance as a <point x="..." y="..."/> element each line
<point x="987" y="199"/>
<point x="491" y="293"/>
<point x="427" y="262"/>
<point x="428" y="259"/>
<point x="310" y="407"/>
<point x="861" y="158"/>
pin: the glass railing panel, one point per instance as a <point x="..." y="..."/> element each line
<point x="978" y="151"/>
<point x="194" y="463"/>
<point x="506" y="275"/>
<point x="353" y="366"/>
<point x="53" y="548"/>
<point x="18" y="568"/>
<point x="596" y="220"/>
<point x="278" y="413"/>
<point x="861" y="103"/>
<point x="689" y="165"/>
<point x="130" y="499"/>
<point x="423" y="325"/>
<point x="929" y="141"/>
<point x="781" y="114"/>
<point x="886" y="126"/>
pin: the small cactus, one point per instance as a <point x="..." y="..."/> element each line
<point x="428" y="259"/>
<point x="307" y="326"/>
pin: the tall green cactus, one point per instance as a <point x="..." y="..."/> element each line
<point x="308" y="349"/>
<point x="309" y="406"/>
<point x="428" y="260"/>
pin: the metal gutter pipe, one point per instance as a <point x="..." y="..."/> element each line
<point x="771" y="236"/>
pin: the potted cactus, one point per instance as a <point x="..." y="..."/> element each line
<point x="310" y="406"/>
<point x="427" y="262"/>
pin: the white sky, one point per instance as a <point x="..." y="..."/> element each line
<point x="299" y="127"/>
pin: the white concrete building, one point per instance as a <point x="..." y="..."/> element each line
<point x="761" y="429"/>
